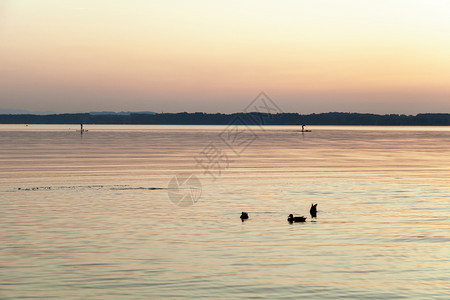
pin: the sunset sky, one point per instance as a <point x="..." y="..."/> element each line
<point x="385" y="56"/>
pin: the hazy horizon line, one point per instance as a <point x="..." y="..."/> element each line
<point x="107" y="112"/>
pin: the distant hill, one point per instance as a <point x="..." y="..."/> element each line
<point x="332" y="118"/>
<point x="122" y="113"/>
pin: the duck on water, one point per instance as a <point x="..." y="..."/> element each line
<point x="291" y="219"/>
<point x="313" y="210"/>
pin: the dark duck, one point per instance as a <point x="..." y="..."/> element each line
<point x="313" y="210"/>
<point x="292" y="219"/>
<point x="244" y="216"/>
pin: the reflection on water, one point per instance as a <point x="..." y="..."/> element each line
<point x="89" y="216"/>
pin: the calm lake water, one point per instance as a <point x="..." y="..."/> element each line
<point x="91" y="216"/>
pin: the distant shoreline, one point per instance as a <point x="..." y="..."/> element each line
<point x="332" y="118"/>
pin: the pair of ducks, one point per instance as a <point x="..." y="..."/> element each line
<point x="312" y="211"/>
<point x="291" y="219"/>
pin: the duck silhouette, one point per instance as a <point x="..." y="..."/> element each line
<point x="292" y="219"/>
<point x="244" y="216"/>
<point x="313" y="210"/>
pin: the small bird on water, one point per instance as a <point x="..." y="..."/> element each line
<point x="313" y="210"/>
<point x="244" y="216"/>
<point x="292" y="219"/>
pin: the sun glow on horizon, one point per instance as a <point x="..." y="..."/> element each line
<point x="151" y="53"/>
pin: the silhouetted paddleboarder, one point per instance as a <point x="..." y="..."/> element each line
<point x="305" y="130"/>
<point x="82" y="130"/>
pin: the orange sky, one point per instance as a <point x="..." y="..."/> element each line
<point x="216" y="56"/>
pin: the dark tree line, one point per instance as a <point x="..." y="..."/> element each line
<point x="332" y="118"/>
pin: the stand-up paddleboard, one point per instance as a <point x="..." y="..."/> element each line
<point x="81" y="129"/>
<point x="304" y="130"/>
